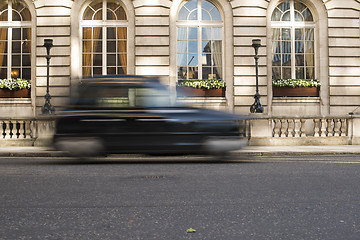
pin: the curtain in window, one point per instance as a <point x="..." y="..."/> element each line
<point x="122" y="36"/>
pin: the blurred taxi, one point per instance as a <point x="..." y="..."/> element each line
<point x="135" y="114"/>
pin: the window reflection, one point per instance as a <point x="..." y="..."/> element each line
<point x="292" y="43"/>
<point x="199" y="46"/>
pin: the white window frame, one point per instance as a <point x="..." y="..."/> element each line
<point x="292" y="24"/>
<point x="104" y="23"/>
<point x="10" y="25"/>
<point x="199" y="24"/>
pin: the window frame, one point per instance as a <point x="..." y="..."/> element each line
<point x="104" y="24"/>
<point x="10" y="25"/>
<point x="293" y="25"/>
<point x="200" y="24"/>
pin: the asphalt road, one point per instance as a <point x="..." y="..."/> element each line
<point x="160" y="198"/>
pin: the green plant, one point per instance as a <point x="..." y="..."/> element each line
<point x="293" y="83"/>
<point x="15" y="84"/>
<point x="202" y="83"/>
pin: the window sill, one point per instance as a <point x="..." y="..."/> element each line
<point x="296" y="99"/>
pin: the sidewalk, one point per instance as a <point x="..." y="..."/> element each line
<point x="248" y="151"/>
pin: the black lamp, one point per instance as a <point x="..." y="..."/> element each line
<point x="256" y="107"/>
<point x="48" y="108"/>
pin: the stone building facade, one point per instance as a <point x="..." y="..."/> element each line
<point x="300" y="39"/>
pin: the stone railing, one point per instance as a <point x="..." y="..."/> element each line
<point x="26" y="131"/>
<point x="308" y="130"/>
<point x="260" y="129"/>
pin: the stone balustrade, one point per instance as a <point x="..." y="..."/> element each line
<point x="16" y="129"/>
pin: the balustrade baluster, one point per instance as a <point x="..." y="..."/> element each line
<point x="283" y="128"/>
<point x="7" y="129"/>
<point x="329" y="127"/>
<point x="343" y="127"/>
<point x="316" y="127"/>
<point x="28" y="131"/>
<point x="337" y="125"/>
<point x="323" y="128"/>
<point x="276" y="132"/>
<point x="302" y="128"/>
<point x="2" y="124"/>
<point x="290" y="127"/>
<point x="21" y="129"/>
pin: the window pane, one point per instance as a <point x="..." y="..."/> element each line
<point x="309" y="34"/>
<point x="206" y="73"/>
<point x="299" y="6"/>
<point x="215" y="15"/>
<point x="122" y="46"/>
<point x="97" y="46"/>
<point x="87" y="33"/>
<point x="122" y="33"/>
<point x="310" y="73"/>
<point x="309" y="60"/>
<point x="286" y="16"/>
<point x="217" y="33"/>
<point x="182" y="73"/>
<point x="276" y="47"/>
<point x="299" y="47"/>
<point x="86" y="71"/>
<point x="299" y="60"/>
<point x="276" y="73"/>
<point x="299" y="73"/>
<point x="110" y="33"/>
<point x="276" y="60"/>
<point x="3" y="73"/>
<point x="16" y="60"/>
<point x="193" y="60"/>
<point x="4" y="16"/>
<point x="206" y="46"/>
<point x="286" y="73"/>
<point x="276" y="15"/>
<point x="122" y="70"/>
<point x="26" y="73"/>
<point x="111" y="60"/>
<point x="217" y="71"/>
<point x="97" y="60"/>
<point x="87" y="59"/>
<point x="182" y="59"/>
<point x="16" y="47"/>
<point x="26" y="34"/>
<point x="298" y="17"/>
<point x="26" y="60"/>
<point x="193" y="15"/>
<point x="206" y="33"/>
<point x="205" y="16"/>
<point x="97" y="33"/>
<point x="217" y="60"/>
<point x="284" y="6"/>
<point x="299" y="34"/>
<point x="192" y="4"/>
<point x="111" y="47"/>
<point x="122" y="60"/>
<point x="181" y="46"/>
<point x="3" y="60"/>
<point x="193" y="34"/>
<point x="193" y="47"/>
<point x="286" y="47"/>
<point x="206" y="59"/>
<point x="15" y="72"/>
<point x="16" y="34"/>
<point x="193" y="73"/>
<point x="308" y="16"/>
<point x="97" y="71"/>
<point x="183" y="14"/>
<point x="309" y="47"/>
<point x="285" y="34"/>
<point x="182" y="33"/>
<point x="111" y="70"/>
<point x="16" y="16"/>
<point x="286" y="60"/>
<point x="216" y="46"/>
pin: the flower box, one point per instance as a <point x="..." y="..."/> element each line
<point x="19" y="93"/>
<point x="295" y="92"/>
<point x="184" y="91"/>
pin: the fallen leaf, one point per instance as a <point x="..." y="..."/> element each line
<point x="191" y="230"/>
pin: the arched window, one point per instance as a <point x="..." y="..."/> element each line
<point x="15" y="40"/>
<point x="104" y="38"/>
<point x="293" y="45"/>
<point x="199" y="41"/>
